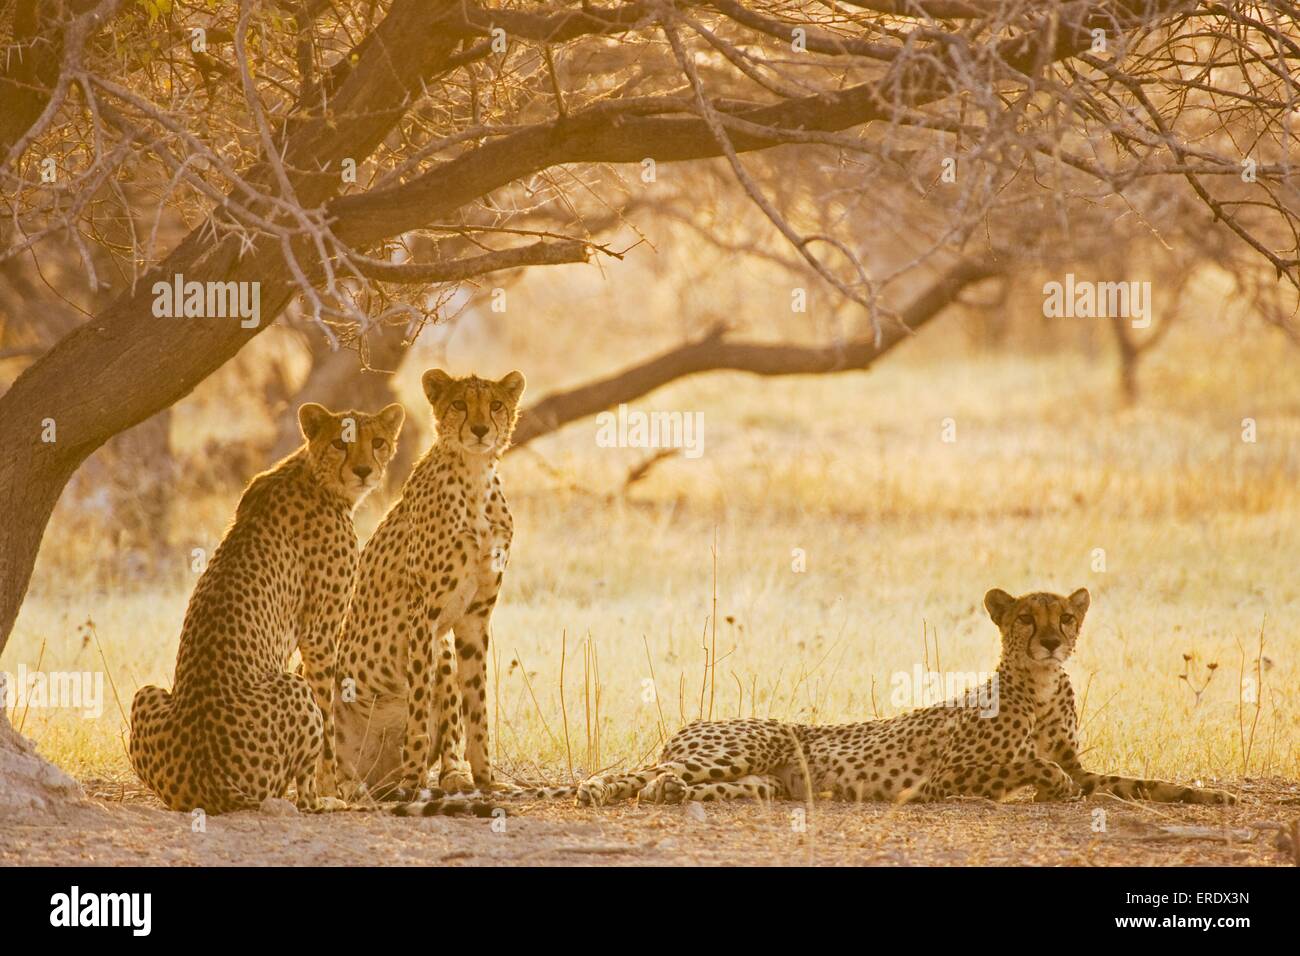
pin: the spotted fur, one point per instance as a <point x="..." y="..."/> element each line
<point x="237" y="728"/>
<point x="1020" y="730"/>
<point x="412" y="684"/>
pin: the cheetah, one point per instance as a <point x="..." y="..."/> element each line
<point x="1019" y="730"/>
<point x="411" y="684"/>
<point x="237" y="728"/>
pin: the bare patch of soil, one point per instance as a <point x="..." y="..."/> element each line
<point x="119" y="826"/>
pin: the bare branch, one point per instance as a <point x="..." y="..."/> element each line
<point x="457" y="270"/>
<point x="714" y="352"/>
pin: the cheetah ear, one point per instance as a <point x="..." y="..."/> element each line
<point x="514" y="384"/>
<point x="1080" y="600"/>
<point x="310" y="419"/>
<point x="391" y="419"/>
<point x="435" y="381"/>
<point x="998" y="603"/>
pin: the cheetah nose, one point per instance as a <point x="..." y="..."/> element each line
<point x="479" y="430"/>
<point x="1050" y="643"/>
<point x="362" y="471"/>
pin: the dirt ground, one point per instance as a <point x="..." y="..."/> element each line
<point x="122" y="827"/>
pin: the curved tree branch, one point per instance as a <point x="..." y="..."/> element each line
<point x="714" y="353"/>
<point x="456" y="270"/>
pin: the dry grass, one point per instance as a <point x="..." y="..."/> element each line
<point x="903" y="533"/>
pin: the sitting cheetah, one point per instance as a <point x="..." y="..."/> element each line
<point x="236" y="728"/>
<point x="405" y="693"/>
<point x="1020" y="730"/>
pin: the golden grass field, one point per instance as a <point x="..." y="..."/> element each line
<point x="606" y="636"/>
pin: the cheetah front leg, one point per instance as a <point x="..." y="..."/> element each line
<point x="996" y="782"/>
<point x="1058" y="740"/>
<point x="318" y="645"/>
<point x="1161" y="791"/>
<point x="473" y="634"/>
<point x="449" y="738"/>
<point x="472" y="637"/>
<point x="437" y="594"/>
<point x="421" y="663"/>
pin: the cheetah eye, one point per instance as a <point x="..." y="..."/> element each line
<point x="378" y="444"/>
<point x="339" y="443"/>
<point x="1067" y="618"/>
<point x="1025" y="619"/>
<point x="459" y="406"/>
<point x="497" y="406"/>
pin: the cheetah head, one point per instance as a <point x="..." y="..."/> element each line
<point x="1038" y="629"/>
<point x="476" y="414"/>
<point x="348" y="451"/>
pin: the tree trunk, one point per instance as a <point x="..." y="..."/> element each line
<point x="29" y="784"/>
<point x="1129" y="356"/>
<point x="113" y="372"/>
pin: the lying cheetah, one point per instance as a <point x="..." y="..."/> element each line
<point x="236" y="728"/>
<point x="406" y="692"/>
<point x="1019" y="730"/>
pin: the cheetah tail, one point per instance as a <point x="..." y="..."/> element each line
<point x="447" y="806"/>
<point x="535" y="792"/>
<point x="480" y="803"/>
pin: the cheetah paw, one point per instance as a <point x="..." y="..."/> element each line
<point x="665" y="788"/>
<point x="592" y="793"/>
<point x="456" y="781"/>
<point x="327" y="805"/>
